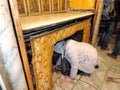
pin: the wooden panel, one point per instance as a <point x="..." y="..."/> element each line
<point x="62" y="5"/>
<point x="55" y="6"/>
<point x="20" y="37"/>
<point x="95" y="18"/>
<point x="82" y="4"/>
<point x="46" y="6"/>
<point x="22" y="7"/>
<point x="33" y="6"/>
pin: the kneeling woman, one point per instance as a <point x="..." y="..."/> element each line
<point x="81" y="56"/>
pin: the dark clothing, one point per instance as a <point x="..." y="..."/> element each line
<point x="107" y="35"/>
<point x="110" y="26"/>
<point x="65" y="67"/>
<point x="117" y="7"/>
<point x="116" y="49"/>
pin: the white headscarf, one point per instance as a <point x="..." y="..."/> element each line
<point x="58" y="48"/>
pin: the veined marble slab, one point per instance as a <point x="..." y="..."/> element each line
<point x="32" y="22"/>
<point x="10" y="59"/>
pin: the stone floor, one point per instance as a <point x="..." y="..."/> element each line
<point x="106" y="77"/>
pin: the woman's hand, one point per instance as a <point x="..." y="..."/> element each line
<point x="67" y="79"/>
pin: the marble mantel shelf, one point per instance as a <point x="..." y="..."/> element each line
<point x="32" y="22"/>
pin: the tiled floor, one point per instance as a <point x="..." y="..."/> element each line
<point x="106" y="77"/>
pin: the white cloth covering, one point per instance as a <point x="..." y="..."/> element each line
<point x="82" y="56"/>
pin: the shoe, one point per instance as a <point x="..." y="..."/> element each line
<point x="112" y="56"/>
<point x="83" y="73"/>
<point x="96" y="67"/>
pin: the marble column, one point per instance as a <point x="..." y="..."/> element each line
<point x="9" y="54"/>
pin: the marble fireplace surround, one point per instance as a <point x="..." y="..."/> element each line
<point x="39" y="61"/>
<point x="42" y="51"/>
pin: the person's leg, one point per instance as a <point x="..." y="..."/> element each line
<point x="116" y="49"/>
<point x="108" y="35"/>
<point x="102" y="36"/>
